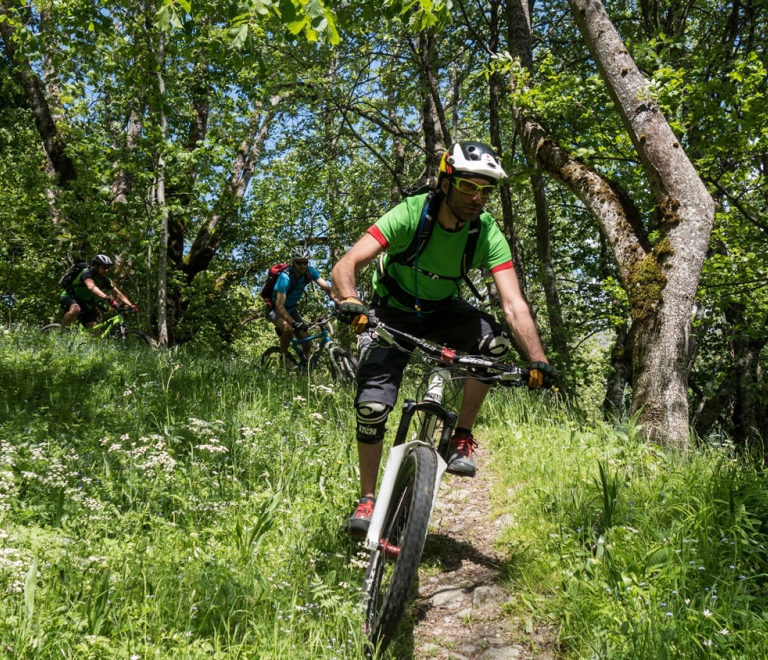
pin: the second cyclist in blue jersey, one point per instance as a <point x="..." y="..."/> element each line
<point x="416" y="290"/>
<point x="288" y="290"/>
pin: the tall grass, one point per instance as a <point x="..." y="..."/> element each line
<point x="188" y="505"/>
<point x="171" y="505"/>
<point x="630" y="551"/>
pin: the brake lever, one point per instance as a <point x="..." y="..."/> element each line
<point x="385" y="336"/>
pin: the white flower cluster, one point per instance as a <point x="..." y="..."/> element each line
<point x="8" y="487"/>
<point x="213" y="446"/>
<point x="150" y="455"/>
<point x="14" y="566"/>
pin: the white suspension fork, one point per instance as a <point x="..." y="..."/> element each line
<point x="394" y="461"/>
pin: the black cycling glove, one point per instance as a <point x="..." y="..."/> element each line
<point x="353" y="312"/>
<point x="542" y="374"/>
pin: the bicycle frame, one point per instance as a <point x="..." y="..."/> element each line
<point x="324" y="339"/>
<point x="326" y="343"/>
<point x="435" y="413"/>
<point x="105" y="327"/>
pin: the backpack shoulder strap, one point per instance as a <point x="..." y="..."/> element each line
<point x="468" y="257"/>
<point x="420" y="236"/>
<point x="470" y="247"/>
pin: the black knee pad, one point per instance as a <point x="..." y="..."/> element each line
<point x="492" y="345"/>
<point x="371" y="421"/>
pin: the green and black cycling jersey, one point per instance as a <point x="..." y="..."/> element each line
<point x="80" y="291"/>
<point x="439" y="264"/>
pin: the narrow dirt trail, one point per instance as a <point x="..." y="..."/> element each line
<point x="458" y="610"/>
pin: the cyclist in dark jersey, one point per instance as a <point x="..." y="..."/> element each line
<point x="91" y="285"/>
<point x="420" y="296"/>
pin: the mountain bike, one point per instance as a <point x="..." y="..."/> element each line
<point x="412" y="475"/>
<point x="114" y="327"/>
<point x="326" y="353"/>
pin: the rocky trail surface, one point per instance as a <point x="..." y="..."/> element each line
<point x="458" y="612"/>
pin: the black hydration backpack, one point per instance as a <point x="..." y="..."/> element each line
<point x="68" y="278"/>
<point x="409" y="257"/>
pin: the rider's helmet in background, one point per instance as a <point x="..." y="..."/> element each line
<point x="299" y="252"/>
<point x="471" y="159"/>
<point x="101" y="260"/>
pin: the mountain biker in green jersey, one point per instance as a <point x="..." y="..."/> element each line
<point x="420" y="296"/>
<point x="92" y="284"/>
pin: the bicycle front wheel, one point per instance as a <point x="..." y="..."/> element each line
<point x="343" y="366"/>
<point x="51" y="327"/>
<point x="388" y="583"/>
<point x="272" y="359"/>
<point x="131" y="338"/>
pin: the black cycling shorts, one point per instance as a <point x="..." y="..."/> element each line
<point x="458" y="325"/>
<point x="274" y="318"/>
<point x="88" y="314"/>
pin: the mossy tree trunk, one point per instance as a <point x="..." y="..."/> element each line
<point x="661" y="280"/>
<point x="663" y="285"/>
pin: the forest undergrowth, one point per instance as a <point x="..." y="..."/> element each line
<point x="185" y="504"/>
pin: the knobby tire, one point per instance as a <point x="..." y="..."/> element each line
<point x="387" y="582"/>
<point x="50" y="327"/>
<point x="271" y="359"/>
<point x="131" y="338"/>
<point x="347" y="366"/>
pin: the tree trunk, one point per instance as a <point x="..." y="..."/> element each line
<point x="497" y="92"/>
<point x="549" y="280"/>
<point x="426" y="43"/>
<point x="123" y="182"/>
<point x="162" y="254"/>
<point x="30" y="82"/>
<point x="430" y="112"/>
<point x="208" y="238"/>
<point x="519" y="37"/>
<point x="621" y="374"/>
<point x="663" y="285"/>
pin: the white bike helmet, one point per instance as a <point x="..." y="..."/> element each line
<point x="101" y="260"/>
<point x="471" y="159"/>
<point x="299" y="252"/>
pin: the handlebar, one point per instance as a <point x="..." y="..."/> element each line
<point x="324" y="321"/>
<point x="505" y="374"/>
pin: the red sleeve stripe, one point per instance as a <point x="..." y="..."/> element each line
<point x="505" y="266"/>
<point x="376" y="233"/>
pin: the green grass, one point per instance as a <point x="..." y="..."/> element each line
<point x="171" y="505"/>
<point x="188" y="505"/>
<point x="632" y="552"/>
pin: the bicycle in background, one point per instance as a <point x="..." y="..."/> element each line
<point x="412" y="475"/>
<point x="326" y="353"/>
<point x="114" y="327"/>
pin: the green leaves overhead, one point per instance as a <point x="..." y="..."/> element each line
<point x="313" y="19"/>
